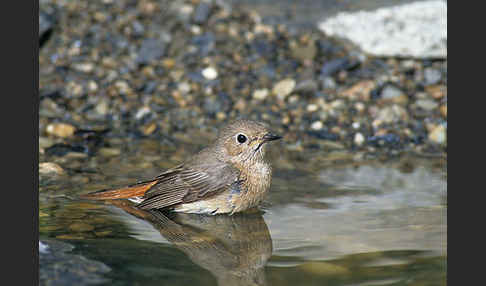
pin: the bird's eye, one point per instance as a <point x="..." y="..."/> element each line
<point x="241" y="138"/>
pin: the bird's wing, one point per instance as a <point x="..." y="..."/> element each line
<point x="188" y="183"/>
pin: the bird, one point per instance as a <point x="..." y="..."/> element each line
<point x="229" y="176"/>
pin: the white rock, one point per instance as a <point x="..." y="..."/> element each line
<point x="210" y="73"/>
<point x="317" y="125"/>
<point x="184" y="87"/>
<point x="359" y="139"/>
<point x="416" y="29"/>
<point x="283" y="88"/>
<point x="260" y="94"/>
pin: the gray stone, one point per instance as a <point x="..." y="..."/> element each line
<point x="432" y="76"/>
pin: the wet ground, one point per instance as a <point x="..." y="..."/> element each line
<point x="359" y="193"/>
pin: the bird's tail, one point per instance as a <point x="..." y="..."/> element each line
<point x="132" y="191"/>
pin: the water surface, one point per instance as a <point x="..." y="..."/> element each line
<point x="329" y="220"/>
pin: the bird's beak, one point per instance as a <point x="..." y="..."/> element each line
<point x="270" y="137"/>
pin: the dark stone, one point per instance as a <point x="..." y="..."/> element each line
<point x="150" y="50"/>
<point x="46" y="26"/>
<point x="202" y="13"/>
<point x="390" y="140"/>
<point x="333" y="66"/>
<point x="323" y="134"/>
<point x="61" y="149"/>
<point x="204" y="43"/>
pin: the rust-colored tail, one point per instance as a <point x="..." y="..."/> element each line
<point x="136" y="190"/>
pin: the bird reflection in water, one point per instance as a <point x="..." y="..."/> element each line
<point x="233" y="248"/>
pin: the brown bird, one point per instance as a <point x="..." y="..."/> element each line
<point x="229" y="176"/>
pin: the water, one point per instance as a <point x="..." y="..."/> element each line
<point x="329" y="219"/>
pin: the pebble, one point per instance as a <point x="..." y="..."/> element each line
<point x="209" y="73"/>
<point x="149" y="128"/>
<point x="92" y="86"/>
<point x="81" y="227"/>
<point x="443" y="110"/>
<point x="151" y="50"/>
<point x="317" y="125"/>
<point x="312" y="107"/>
<point x="391" y="92"/>
<point x="390" y="114"/>
<point x="432" y="76"/>
<point x="427" y="104"/>
<point x="102" y="107"/>
<point x="84" y="67"/>
<point x="108" y="152"/>
<point x="50" y="168"/>
<point x="60" y="129"/>
<point x="142" y="112"/>
<point x="283" y="88"/>
<point x="438" y="134"/>
<point x="184" y="87"/>
<point x="359" y="139"/>
<point x="260" y="94"/>
<point x="201" y="13"/>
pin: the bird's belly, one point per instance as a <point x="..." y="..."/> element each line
<point x="218" y="204"/>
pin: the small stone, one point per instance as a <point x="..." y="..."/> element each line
<point x="202" y="12"/>
<point x="220" y="115"/>
<point x="92" y="86"/>
<point x="317" y="125"/>
<point x="393" y="94"/>
<point x="312" y="107"/>
<point x="142" y="112"/>
<point x="436" y="91"/>
<point x="260" y="94"/>
<point x="390" y="114"/>
<point x="149" y="128"/>
<point x="184" y="87"/>
<point x="84" y="67"/>
<point x="438" y="134"/>
<point x="306" y="86"/>
<point x="360" y="107"/>
<point x="360" y="90"/>
<point x="168" y="63"/>
<point x="60" y="129"/>
<point x="390" y="92"/>
<point x="102" y="107"/>
<point x="328" y="82"/>
<point x="283" y="88"/>
<point x="50" y="168"/>
<point x="74" y="88"/>
<point x="81" y="227"/>
<point x="443" y="110"/>
<point x="103" y="233"/>
<point x="426" y="104"/>
<point x="109" y="152"/>
<point x="209" y="73"/>
<point x="122" y="87"/>
<point x="359" y="139"/>
<point x="150" y="50"/>
<point x="432" y="76"/>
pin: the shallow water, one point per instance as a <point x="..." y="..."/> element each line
<point x="330" y="219"/>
